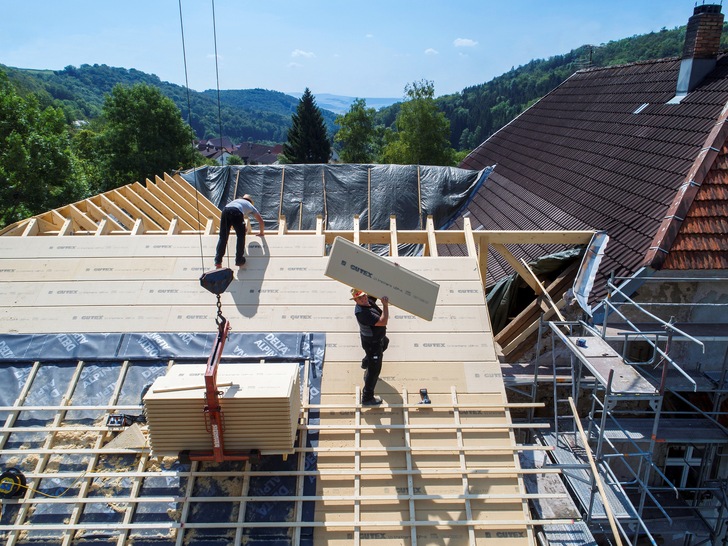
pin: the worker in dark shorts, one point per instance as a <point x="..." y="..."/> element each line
<point x="233" y="216"/>
<point x="373" y="332"/>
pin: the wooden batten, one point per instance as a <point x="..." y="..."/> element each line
<point x="431" y="248"/>
<point x="393" y="241"/>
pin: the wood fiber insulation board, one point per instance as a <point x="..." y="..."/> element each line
<point x="165" y="246"/>
<point x="472" y="377"/>
<point x="182" y="268"/>
<point x="416" y="347"/>
<point x="260" y="404"/>
<point x="242" y="291"/>
<point x="96" y="316"/>
<point x="355" y="266"/>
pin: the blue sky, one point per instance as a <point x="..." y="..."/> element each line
<point x="371" y="48"/>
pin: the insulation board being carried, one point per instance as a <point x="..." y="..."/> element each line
<point x="260" y="408"/>
<point x="356" y="266"/>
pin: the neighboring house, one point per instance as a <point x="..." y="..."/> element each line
<point x="636" y="150"/>
<point x="258" y="154"/>
<point x="641" y="152"/>
<point x="218" y="143"/>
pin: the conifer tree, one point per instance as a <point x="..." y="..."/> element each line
<point x="307" y="139"/>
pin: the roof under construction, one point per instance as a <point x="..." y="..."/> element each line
<point x="101" y="297"/>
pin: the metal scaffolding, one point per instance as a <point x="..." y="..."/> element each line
<point x="635" y="438"/>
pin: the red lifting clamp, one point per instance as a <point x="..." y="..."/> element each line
<point x="214" y="420"/>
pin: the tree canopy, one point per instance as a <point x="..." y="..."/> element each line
<point x="307" y="138"/>
<point x="144" y="135"/>
<point x="422" y="132"/>
<point x="358" y="134"/>
<point x="37" y="168"/>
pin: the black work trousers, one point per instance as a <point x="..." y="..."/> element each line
<point x="231" y="218"/>
<point x="373" y="364"/>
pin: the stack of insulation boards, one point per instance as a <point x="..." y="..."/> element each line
<point x="260" y="406"/>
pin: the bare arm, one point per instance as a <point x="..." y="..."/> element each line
<point x="261" y="224"/>
<point x="385" y="312"/>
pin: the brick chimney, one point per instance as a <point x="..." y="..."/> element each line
<point x="702" y="42"/>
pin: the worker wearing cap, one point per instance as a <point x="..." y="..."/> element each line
<point x="233" y="216"/>
<point x="373" y="333"/>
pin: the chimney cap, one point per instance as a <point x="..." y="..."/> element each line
<point x="706" y="8"/>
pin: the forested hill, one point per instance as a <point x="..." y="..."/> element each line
<point x="260" y="115"/>
<point x="479" y="111"/>
<point x="255" y="114"/>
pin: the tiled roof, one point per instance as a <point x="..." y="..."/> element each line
<point x="702" y="242"/>
<point x="606" y="150"/>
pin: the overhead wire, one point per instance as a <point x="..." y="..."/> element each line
<point x="219" y="108"/>
<point x="217" y="72"/>
<point x="189" y="122"/>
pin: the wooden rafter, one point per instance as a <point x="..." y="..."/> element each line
<point x="431" y="248"/>
<point x="517" y="266"/>
<point x="152" y="207"/>
<point x="393" y="242"/>
<point x="187" y="220"/>
<point x="114" y="212"/>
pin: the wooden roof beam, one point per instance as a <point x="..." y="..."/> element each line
<point x="469" y="239"/>
<point x="101" y="216"/>
<point x="66" y="229"/>
<point x="190" y="220"/>
<point x="393" y="243"/>
<point x="543" y="291"/>
<point x="31" y="228"/>
<point x="483" y="243"/>
<point x="139" y="227"/>
<point x="54" y="219"/>
<point x="104" y="228"/>
<point x="134" y="212"/>
<point x="81" y="220"/>
<point x="517" y="267"/>
<point x="14" y="230"/>
<point x="537" y="237"/>
<point x="112" y="210"/>
<point x="145" y="208"/>
<point x="194" y="199"/>
<point x="174" y="226"/>
<point x="431" y="247"/>
<point x="209" y="226"/>
<point x="158" y="210"/>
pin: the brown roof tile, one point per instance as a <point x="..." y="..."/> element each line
<point x="582" y="158"/>
<point x="702" y="242"/>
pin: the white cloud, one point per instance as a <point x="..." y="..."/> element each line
<point x="369" y="35"/>
<point x="301" y="53"/>
<point x="295" y="66"/>
<point x="431" y="52"/>
<point x="464" y="42"/>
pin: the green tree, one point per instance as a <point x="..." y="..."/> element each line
<point x="357" y="133"/>
<point x="86" y="145"/>
<point x="144" y="135"/>
<point x="36" y="164"/>
<point x="307" y="139"/>
<point x="422" y="134"/>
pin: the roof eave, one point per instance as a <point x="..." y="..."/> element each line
<point x="683" y="200"/>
